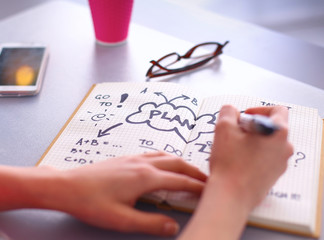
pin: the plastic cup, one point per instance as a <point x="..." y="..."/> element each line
<point x="111" y="20"/>
<point x="3" y="236"/>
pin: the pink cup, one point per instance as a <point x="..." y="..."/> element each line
<point x="111" y="20"/>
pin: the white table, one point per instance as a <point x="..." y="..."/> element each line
<point x="28" y="125"/>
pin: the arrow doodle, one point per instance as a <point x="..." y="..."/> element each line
<point x="102" y="133"/>
<point x="183" y="96"/>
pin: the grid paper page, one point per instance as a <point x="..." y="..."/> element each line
<point x="293" y="199"/>
<point x="117" y="120"/>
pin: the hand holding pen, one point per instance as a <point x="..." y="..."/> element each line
<point x="242" y="168"/>
<point x="256" y="123"/>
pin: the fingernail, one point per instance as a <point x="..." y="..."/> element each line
<point x="171" y="228"/>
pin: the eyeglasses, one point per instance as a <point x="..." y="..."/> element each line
<point x="197" y="56"/>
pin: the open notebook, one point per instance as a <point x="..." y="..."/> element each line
<point x="117" y="119"/>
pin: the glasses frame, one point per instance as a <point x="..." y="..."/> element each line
<point x="187" y="55"/>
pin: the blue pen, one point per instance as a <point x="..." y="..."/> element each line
<point x="255" y="123"/>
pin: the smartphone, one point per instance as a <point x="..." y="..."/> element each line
<point x="22" y="69"/>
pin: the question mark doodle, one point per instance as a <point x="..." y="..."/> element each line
<point x="301" y="155"/>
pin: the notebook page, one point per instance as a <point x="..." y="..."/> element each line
<point x="293" y="198"/>
<point x="117" y="120"/>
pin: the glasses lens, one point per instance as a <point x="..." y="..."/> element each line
<point x="165" y="62"/>
<point x="169" y="60"/>
<point x="205" y="50"/>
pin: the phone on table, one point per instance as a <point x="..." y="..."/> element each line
<point x="22" y="69"/>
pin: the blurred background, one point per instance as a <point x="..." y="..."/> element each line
<point x="302" y="19"/>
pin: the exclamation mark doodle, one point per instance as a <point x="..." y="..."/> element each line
<point x="122" y="99"/>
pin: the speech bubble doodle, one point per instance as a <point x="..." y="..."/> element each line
<point x="168" y="117"/>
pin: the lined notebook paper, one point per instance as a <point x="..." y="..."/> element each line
<point x="116" y="119"/>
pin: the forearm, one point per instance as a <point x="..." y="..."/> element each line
<point x="222" y="213"/>
<point x="30" y="187"/>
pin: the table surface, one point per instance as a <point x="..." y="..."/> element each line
<point x="29" y="124"/>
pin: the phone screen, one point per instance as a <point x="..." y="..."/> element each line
<point x="20" y="66"/>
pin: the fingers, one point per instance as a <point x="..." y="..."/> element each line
<point x="226" y="122"/>
<point x="133" y="220"/>
<point x="171" y="163"/>
<point x="175" y="164"/>
<point x="154" y="179"/>
<point x="177" y="182"/>
<point x="228" y="113"/>
<point x="160" y="170"/>
<point x="279" y="114"/>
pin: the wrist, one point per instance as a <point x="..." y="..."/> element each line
<point x="34" y="187"/>
<point x="222" y="211"/>
<point x="47" y="188"/>
<point x="233" y="190"/>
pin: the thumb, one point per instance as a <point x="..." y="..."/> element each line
<point x="150" y="223"/>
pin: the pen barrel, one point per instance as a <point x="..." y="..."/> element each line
<point x="257" y="124"/>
